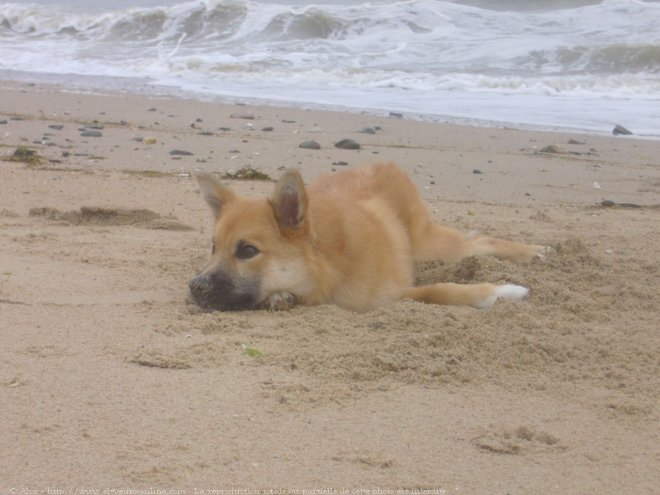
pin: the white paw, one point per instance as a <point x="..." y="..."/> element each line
<point x="509" y="291"/>
<point x="279" y="301"/>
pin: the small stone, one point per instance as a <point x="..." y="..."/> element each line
<point x="150" y="140"/>
<point x="57" y="127"/>
<point x="267" y="129"/>
<point x="575" y="141"/>
<point x="370" y="130"/>
<point x="396" y="115"/>
<point x="205" y="133"/>
<point x="245" y="116"/>
<point x="476" y="171"/>
<point x="551" y="148"/>
<point x="3" y="122"/>
<point x="181" y="153"/>
<point x="152" y="109"/>
<point x="310" y="145"/>
<point x="91" y="134"/>
<point x="619" y="130"/>
<point x="347" y="144"/>
<point x="224" y="129"/>
<point x="340" y="163"/>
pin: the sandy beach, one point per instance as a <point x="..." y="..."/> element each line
<point x="110" y="381"/>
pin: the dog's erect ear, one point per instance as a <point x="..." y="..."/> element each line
<point x="215" y="194"/>
<point x="289" y="202"/>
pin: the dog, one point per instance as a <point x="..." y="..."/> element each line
<point x="351" y="239"/>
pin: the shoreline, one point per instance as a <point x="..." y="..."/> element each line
<point x="113" y="85"/>
<point x="450" y="162"/>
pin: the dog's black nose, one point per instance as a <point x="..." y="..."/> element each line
<point x="201" y="288"/>
<point x="208" y="291"/>
<point x="218" y="291"/>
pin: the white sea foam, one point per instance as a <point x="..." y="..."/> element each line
<point x="587" y="64"/>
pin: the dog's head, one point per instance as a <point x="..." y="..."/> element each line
<point x="260" y="246"/>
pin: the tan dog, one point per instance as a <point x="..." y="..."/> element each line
<point x="351" y="239"/>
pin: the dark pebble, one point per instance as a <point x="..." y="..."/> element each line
<point x="198" y="120"/>
<point x="3" y="122"/>
<point x="224" y="129"/>
<point x="285" y="121"/>
<point x="396" y="115"/>
<point x="621" y="131"/>
<point x="180" y="153"/>
<point x="367" y="130"/>
<point x="267" y="129"/>
<point x="96" y="127"/>
<point x="205" y="133"/>
<point x="343" y="164"/>
<point x="152" y="109"/>
<point x="245" y="116"/>
<point x="91" y="134"/>
<point x="347" y="144"/>
<point x="310" y="145"/>
<point x="477" y="171"/>
<point x="57" y="127"/>
<point x="575" y="141"/>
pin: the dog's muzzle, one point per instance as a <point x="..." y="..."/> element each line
<point x="219" y="292"/>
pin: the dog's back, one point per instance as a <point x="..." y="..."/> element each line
<point x="358" y="217"/>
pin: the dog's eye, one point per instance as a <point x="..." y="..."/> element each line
<point x="246" y="251"/>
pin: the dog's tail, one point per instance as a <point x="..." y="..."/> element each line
<point x="476" y="295"/>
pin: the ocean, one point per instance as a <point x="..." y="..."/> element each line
<point x="551" y="64"/>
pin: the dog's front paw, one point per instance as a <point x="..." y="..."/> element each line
<point x="279" y="301"/>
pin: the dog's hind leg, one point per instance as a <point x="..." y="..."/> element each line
<point x="430" y="241"/>
<point x="476" y="295"/>
<point x="435" y="242"/>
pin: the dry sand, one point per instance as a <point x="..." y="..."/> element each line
<point x="109" y="381"/>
